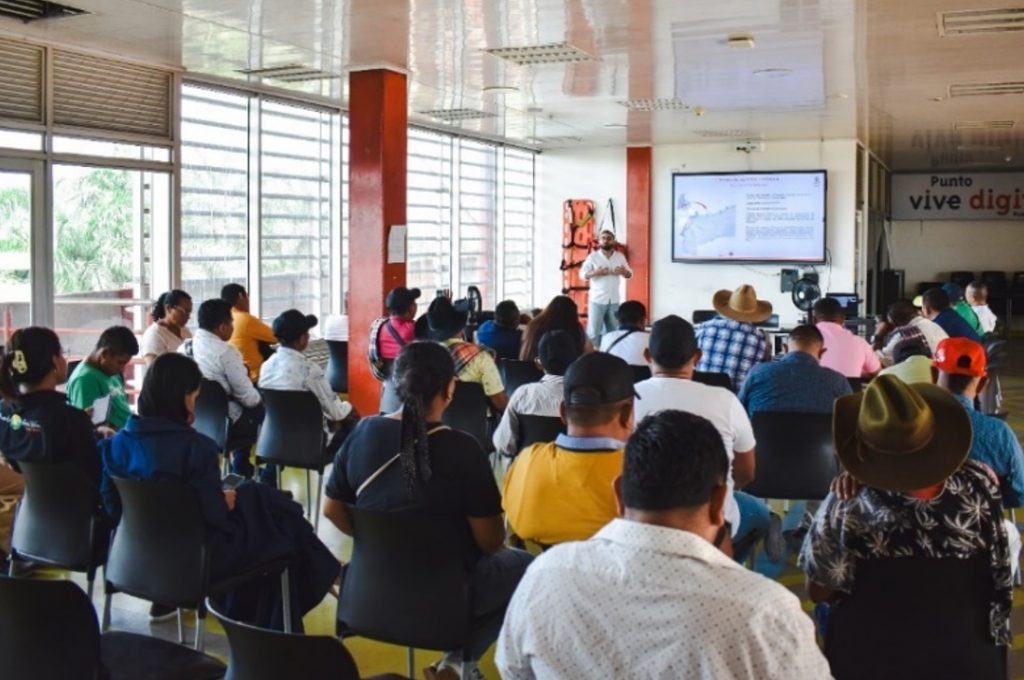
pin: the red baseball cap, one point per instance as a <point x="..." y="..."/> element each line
<point x="960" y="356"/>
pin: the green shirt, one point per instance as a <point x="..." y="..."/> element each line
<point x="88" y="383"/>
<point x="964" y="310"/>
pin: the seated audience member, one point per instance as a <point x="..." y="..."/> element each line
<point x="561" y="314"/>
<point x="935" y="305"/>
<point x="400" y="328"/>
<point x="629" y="341"/>
<point x="544" y="398"/>
<point x="795" y="381"/>
<point x="912" y="361"/>
<point x="906" y="446"/>
<point x="904" y="321"/>
<point x="100" y="375"/>
<point x="436" y="470"/>
<point x="650" y="596"/>
<point x="222" y="363"/>
<point x="845" y="351"/>
<point x="977" y="297"/>
<point x="250" y="336"/>
<point x="247" y="526"/>
<point x="731" y="343"/>
<point x="562" y="490"/>
<point x="171" y="313"/>
<point x="502" y="335"/>
<point x="473" y="364"/>
<point x="961" y="306"/>
<point x="289" y="369"/>
<point x="673" y="355"/>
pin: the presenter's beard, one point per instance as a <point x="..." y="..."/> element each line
<point x="608" y="248"/>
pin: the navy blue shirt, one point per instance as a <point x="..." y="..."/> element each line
<point x="955" y="325"/>
<point x="504" y="341"/>
<point x="793" y="382"/>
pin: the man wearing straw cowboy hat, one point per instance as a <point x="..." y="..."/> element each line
<point x="915" y="494"/>
<point x="730" y="342"/>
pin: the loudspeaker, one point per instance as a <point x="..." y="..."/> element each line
<point x="890" y="288"/>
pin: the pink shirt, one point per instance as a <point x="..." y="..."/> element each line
<point x="847" y="353"/>
<point x="386" y="343"/>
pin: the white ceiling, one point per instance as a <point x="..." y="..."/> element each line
<point x="819" y="68"/>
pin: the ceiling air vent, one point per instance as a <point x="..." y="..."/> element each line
<point x="563" y="139"/>
<point x="551" y="53"/>
<point x="983" y="125"/>
<point x="983" y="89"/>
<point x="288" y="73"/>
<point x="456" y="115"/>
<point x="654" y="105"/>
<point x="981" y="21"/>
<point x="35" y="10"/>
<point x="726" y="134"/>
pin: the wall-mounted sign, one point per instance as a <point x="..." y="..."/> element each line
<point x="958" y="196"/>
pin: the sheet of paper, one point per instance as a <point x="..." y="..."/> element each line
<point x="100" y="409"/>
<point x="396" y="244"/>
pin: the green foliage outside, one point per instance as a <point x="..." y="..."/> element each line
<point x="15" y="218"/>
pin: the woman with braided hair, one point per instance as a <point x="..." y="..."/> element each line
<point x="410" y="461"/>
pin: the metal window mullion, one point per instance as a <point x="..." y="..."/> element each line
<point x="499" y="230"/>
<point x="173" y="265"/>
<point x="255" y="223"/>
<point x="455" y="229"/>
<point x="337" y="240"/>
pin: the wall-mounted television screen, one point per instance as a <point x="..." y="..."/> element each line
<point x="748" y="217"/>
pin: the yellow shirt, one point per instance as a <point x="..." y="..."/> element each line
<point x="553" y="494"/>
<point x="249" y="332"/>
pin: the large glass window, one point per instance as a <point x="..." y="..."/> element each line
<point x="478" y="224"/>
<point x="15" y="247"/>
<point x="429" y="212"/>
<point x="517" y="237"/>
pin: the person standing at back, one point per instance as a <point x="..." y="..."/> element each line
<point x="630" y="340"/>
<point x="845" y="352"/>
<point x="730" y="343"/>
<point x="251" y="336"/>
<point x="603" y="269"/>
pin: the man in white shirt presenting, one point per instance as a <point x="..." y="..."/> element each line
<point x="603" y="268"/>
<point x="650" y="595"/>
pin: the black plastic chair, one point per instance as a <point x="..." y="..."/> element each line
<point x="515" y="373"/>
<point x="990" y="399"/>
<point x="795" y="455"/>
<point x="714" y="379"/>
<point x="406" y="583"/>
<point x="48" y="629"/>
<point x="856" y="384"/>
<point x="468" y="412"/>
<point x="293" y="435"/>
<point x="926" y="285"/>
<point x="538" y="429"/>
<point x="212" y="413"/>
<point x="337" y="365"/>
<point x="916" y="618"/>
<point x="998" y="292"/>
<point x="640" y="373"/>
<point x="159" y="553"/>
<point x="261" y="654"/>
<point x="702" y="315"/>
<point x="58" y="522"/>
<point x="1017" y="292"/>
<point x="961" y="278"/>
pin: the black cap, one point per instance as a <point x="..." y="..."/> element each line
<point x="399" y="299"/>
<point x="598" y="378"/>
<point x="672" y="342"/>
<point x="291" y="324"/>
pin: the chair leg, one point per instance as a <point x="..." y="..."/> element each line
<point x="411" y="662"/>
<point x="181" y="627"/>
<point x="200" y="627"/>
<point x="106" y="613"/>
<point x="89" y="587"/>
<point x="309" y="497"/>
<point x="319" y="496"/>
<point x="286" y="601"/>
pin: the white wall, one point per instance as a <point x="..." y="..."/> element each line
<point x="930" y="250"/>
<point x="682" y="288"/>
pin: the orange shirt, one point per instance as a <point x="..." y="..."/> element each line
<point x="249" y="332"/>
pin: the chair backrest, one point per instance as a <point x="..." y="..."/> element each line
<point x="995" y="281"/>
<point x="468" y="412"/>
<point x="961" y="278"/>
<point x="48" y="629"/>
<point x="713" y="379"/>
<point x="916" y="618"/>
<point x="537" y="429"/>
<point x="56" y="518"/>
<point x="640" y="373"/>
<point x="515" y="373"/>
<point x="261" y="654"/>
<point x="293" y="430"/>
<point x="337" y="365"/>
<point x="158" y="551"/>
<point x="406" y="583"/>
<point x="927" y="285"/>
<point x="212" y="412"/>
<point x="995" y="354"/>
<point x="702" y="315"/>
<point x="1017" y="287"/>
<point x="795" y="455"/>
<point x="856" y="384"/>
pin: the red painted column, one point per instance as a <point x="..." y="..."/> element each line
<point x="638" y="223"/>
<point x="378" y="135"/>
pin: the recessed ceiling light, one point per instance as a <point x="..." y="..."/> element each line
<point x="772" y="72"/>
<point x="551" y="53"/>
<point x="938" y="99"/>
<point x="500" y="89"/>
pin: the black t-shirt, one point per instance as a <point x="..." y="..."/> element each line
<point x="42" y="426"/>
<point x="461" y="483"/>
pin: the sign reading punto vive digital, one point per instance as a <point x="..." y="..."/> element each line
<point x="958" y="196"/>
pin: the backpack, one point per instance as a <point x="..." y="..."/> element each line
<point x="378" y="366"/>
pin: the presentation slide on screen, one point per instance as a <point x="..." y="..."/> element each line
<point x="763" y="216"/>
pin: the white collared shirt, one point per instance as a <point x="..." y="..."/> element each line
<point x="642" y="601"/>
<point x="542" y="398"/>
<point x="604" y="289"/>
<point x="291" y="370"/>
<point x="222" y="363"/>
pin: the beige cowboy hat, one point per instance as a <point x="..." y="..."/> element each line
<point x="899" y="437"/>
<point x="742" y="305"/>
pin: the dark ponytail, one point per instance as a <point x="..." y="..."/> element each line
<point x="27" y="360"/>
<point x="422" y="371"/>
<point x="171" y="298"/>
